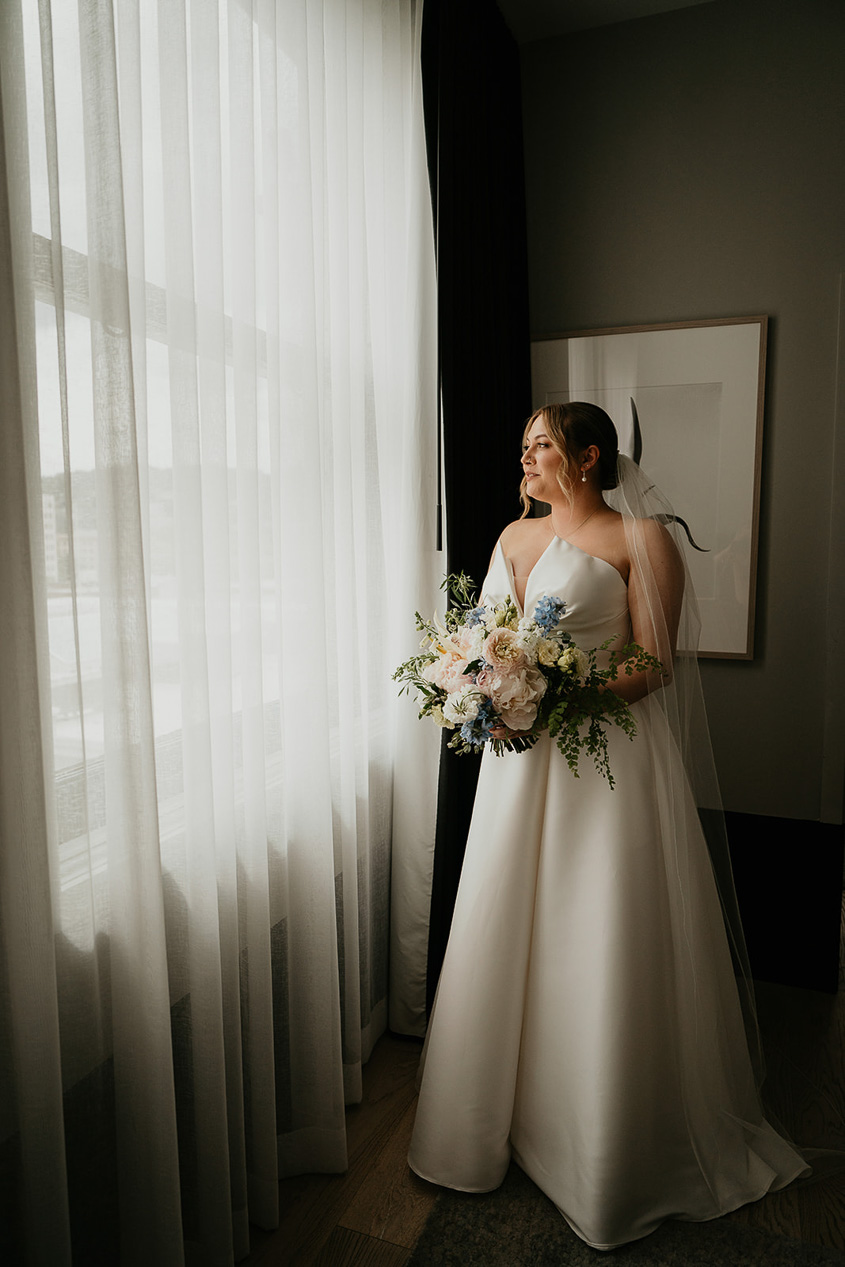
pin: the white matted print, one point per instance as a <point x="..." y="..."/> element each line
<point x="696" y="389"/>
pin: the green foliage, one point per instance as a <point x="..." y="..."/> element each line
<point x="578" y="714"/>
<point x="577" y="709"/>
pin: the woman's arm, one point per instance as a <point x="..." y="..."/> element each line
<point x="655" y="594"/>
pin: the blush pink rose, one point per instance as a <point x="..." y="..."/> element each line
<point x="448" y="673"/>
<point x="502" y="650"/>
<point x="515" y="696"/>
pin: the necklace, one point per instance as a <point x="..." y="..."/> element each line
<point x="581" y="524"/>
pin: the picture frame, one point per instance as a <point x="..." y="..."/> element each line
<point x="693" y="391"/>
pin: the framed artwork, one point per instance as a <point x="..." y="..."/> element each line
<point x="687" y="402"/>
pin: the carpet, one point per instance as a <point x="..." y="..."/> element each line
<point x="517" y="1226"/>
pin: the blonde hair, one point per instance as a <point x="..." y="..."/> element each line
<point x="571" y="428"/>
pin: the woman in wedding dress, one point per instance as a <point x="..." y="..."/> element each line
<point x="593" y="1018"/>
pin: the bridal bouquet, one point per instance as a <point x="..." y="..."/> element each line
<point x="485" y="669"/>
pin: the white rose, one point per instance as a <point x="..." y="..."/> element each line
<point x="462" y="706"/>
<point x="575" y="661"/>
<point x="548" y="652"/>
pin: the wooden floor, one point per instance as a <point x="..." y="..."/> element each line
<point x="372" y="1215"/>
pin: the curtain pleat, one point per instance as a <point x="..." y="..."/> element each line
<point x="31" y="1123"/>
<point x="144" y="1103"/>
<point x="218" y="518"/>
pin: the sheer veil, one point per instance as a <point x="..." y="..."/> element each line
<point x="676" y="718"/>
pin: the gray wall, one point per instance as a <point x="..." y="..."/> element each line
<point x="692" y="165"/>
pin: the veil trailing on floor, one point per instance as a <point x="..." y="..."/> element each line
<point x="679" y="720"/>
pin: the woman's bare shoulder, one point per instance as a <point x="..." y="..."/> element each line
<point x="522" y="531"/>
<point x="657" y="543"/>
<point x="655" y="535"/>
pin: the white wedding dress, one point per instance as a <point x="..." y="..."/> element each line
<point x="587" y="1021"/>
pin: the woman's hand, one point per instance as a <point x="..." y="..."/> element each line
<point x="501" y="733"/>
<point x="655" y="594"/>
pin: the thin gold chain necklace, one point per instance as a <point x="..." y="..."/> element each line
<point x="581" y="525"/>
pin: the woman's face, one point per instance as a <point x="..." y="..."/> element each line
<point x="541" y="463"/>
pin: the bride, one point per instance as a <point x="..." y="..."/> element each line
<point x="594" y="1018"/>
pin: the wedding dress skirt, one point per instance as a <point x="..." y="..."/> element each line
<point x="587" y="1021"/>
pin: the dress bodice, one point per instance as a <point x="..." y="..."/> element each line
<point x="595" y="594"/>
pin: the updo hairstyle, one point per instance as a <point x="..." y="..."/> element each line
<point x="572" y="428"/>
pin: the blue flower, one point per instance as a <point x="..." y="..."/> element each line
<point x="475" y="617"/>
<point x="477" y="732"/>
<point x="548" y="612"/>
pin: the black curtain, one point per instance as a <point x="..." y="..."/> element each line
<point x="473" y="117"/>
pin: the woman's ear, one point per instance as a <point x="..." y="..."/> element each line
<point x="590" y="456"/>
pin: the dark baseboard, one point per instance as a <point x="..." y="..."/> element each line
<point x="788" y="875"/>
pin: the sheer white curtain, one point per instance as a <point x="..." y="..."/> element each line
<point x="217" y="491"/>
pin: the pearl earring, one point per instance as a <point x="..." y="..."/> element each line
<point x="583" y="475"/>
